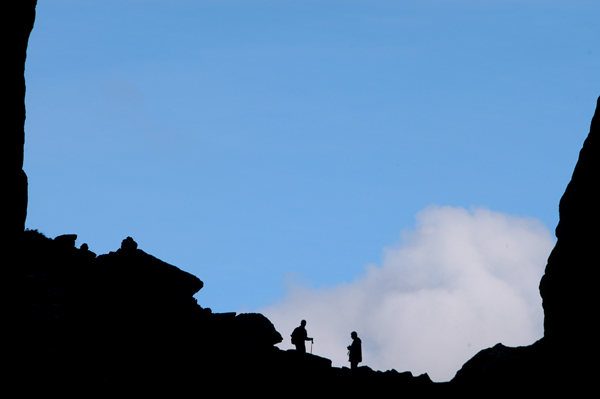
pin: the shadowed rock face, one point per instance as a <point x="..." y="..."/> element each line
<point x="136" y="271"/>
<point x="126" y="322"/>
<point x="19" y="17"/>
<point x="563" y="358"/>
<point x="569" y="285"/>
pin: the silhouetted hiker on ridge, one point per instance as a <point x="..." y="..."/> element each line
<point x="299" y="336"/>
<point x="355" y="351"/>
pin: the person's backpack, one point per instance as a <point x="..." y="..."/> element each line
<point x="294" y="336"/>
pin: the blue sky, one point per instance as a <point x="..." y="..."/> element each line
<point x="262" y="145"/>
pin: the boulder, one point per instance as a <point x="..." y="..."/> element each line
<point x="138" y="271"/>
<point x="255" y="330"/>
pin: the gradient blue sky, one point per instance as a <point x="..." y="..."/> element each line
<point x="256" y="142"/>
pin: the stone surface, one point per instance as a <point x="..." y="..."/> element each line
<point x="140" y="272"/>
<point x="19" y="18"/>
<point x="258" y="331"/>
<point x="570" y="284"/>
<point x="126" y="322"/>
<point x="561" y="359"/>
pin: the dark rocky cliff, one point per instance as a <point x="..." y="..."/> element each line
<point x="568" y="285"/>
<point x="19" y="17"/>
<point x="127" y="323"/>
<point x="562" y="358"/>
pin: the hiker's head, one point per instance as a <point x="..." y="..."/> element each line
<point x="354" y="335"/>
<point x="303" y="323"/>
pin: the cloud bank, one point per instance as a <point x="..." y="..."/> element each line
<point x="460" y="281"/>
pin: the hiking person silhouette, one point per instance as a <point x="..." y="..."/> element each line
<point x="299" y="336"/>
<point x="355" y="351"/>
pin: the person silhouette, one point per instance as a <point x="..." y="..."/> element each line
<point x="299" y="336"/>
<point x="355" y="351"/>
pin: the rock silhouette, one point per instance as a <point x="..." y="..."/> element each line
<point x="14" y="180"/>
<point x="568" y="285"/>
<point x="561" y="359"/>
<point x="126" y="323"/>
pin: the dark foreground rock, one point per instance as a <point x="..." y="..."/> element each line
<point x="569" y="287"/>
<point x="563" y="360"/>
<point x="19" y="17"/>
<point x="127" y="322"/>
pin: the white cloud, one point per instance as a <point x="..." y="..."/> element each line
<point x="461" y="281"/>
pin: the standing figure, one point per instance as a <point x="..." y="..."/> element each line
<point x="299" y="336"/>
<point x="355" y="351"/>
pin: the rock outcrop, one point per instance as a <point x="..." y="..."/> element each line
<point x="19" y="17"/>
<point x="568" y="287"/>
<point x="127" y="322"/>
<point x="87" y="323"/>
<point x="562" y="359"/>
